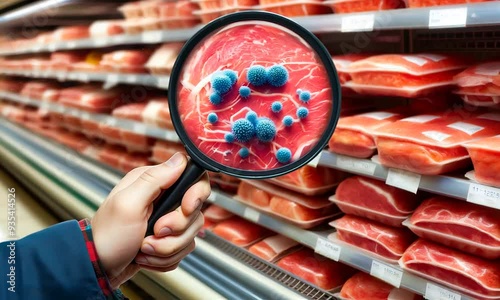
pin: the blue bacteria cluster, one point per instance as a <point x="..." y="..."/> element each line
<point x="302" y="112"/>
<point x="305" y="96"/>
<point x="276" y="107"/>
<point x="212" y="118"/>
<point x="232" y="75"/>
<point x="276" y="75"/>
<point x="229" y="137"/>
<point x="257" y="75"/>
<point x="243" y="130"/>
<point x="244" y="152"/>
<point x="287" y="121"/>
<point x="265" y="130"/>
<point x="252" y="117"/>
<point x="215" y="98"/>
<point x="245" y="92"/>
<point x="222" y="82"/>
<point x="283" y="155"/>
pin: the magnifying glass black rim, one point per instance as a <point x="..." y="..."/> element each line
<point x="204" y="160"/>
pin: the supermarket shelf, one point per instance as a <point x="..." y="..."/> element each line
<point x="341" y="252"/>
<point x="133" y="126"/>
<point x="455" y="16"/>
<point x="109" y="79"/>
<point x="227" y="277"/>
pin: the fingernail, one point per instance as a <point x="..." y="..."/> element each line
<point x="164" y="232"/>
<point x="148" y="249"/>
<point x="197" y="205"/>
<point x="175" y="160"/>
<point x="141" y="260"/>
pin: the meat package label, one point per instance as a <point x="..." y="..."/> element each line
<point x="386" y="273"/>
<point x="251" y="215"/>
<point x="380" y="115"/>
<point x="404" y="180"/>
<point x="357" y="23"/>
<point x="362" y="166"/>
<point x="470" y="129"/>
<point x="419" y="61"/>
<point x="420" y="119"/>
<point x="433" y="57"/>
<point x="436" y="135"/>
<point x="327" y="249"/>
<point x="451" y="17"/>
<point x="484" y="195"/>
<point x="435" y="292"/>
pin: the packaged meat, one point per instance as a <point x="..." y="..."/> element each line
<point x="74" y="141"/>
<point x="71" y="33"/>
<point x="363" y="286"/>
<point x="178" y="23"/>
<point x="111" y="155"/>
<point x="297" y="8"/>
<point x="111" y="134"/>
<point x="91" y="128"/>
<point x="463" y="272"/>
<point x="310" y="181"/>
<point x="131" y="10"/>
<point x="128" y="61"/>
<point x="157" y="113"/>
<point x="479" y="75"/>
<point x="132" y="111"/>
<point x="64" y="60"/>
<point x="240" y="232"/>
<point x="72" y="123"/>
<point x="216" y="213"/>
<point x="163" y="150"/>
<point x="354" y="134"/>
<point x="375" y="200"/>
<point x="484" y="154"/>
<point x="342" y="63"/>
<point x="300" y="210"/>
<point x="135" y="142"/>
<point x="432" y="145"/>
<point x="11" y="85"/>
<point x="128" y="161"/>
<point x="224" y="182"/>
<point x="351" y="6"/>
<point x="104" y="28"/>
<point x="168" y="9"/>
<point x="462" y="225"/>
<point x="163" y="59"/>
<point x="36" y="89"/>
<point x="404" y="75"/>
<point x="316" y="269"/>
<point x="427" y="3"/>
<point x="385" y="242"/>
<point x="274" y="247"/>
<point x="91" y="98"/>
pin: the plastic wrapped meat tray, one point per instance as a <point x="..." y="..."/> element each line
<point x="240" y="232"/>
<point x="426" y="3"/>
<point x="310" y="181"/>
<point x="480" y="84"/>
<point x="433" y="146"/>
<point x="297" y="8"/>
<point x="11" y="85"/>
<point x="157" y="113"/>
<point x="63" y="61"/>
<point x="91" y="98"/>
<point x="131" y="10"/>
<point x="404" y="75"/>
<point x="485" y="154"/>
<point x="463" y="272"/>
<point x="462" y="225"/>
<point x="216" y="213"/>
<point x="36" y="89"/>
<point x="385" y="242"/>
<point x="300" y="210"/>
<point x="363" y="286"/>
<point x="163" y="59"/>
<point x="351" y="6"/>
<point x="210" y="5"/>
<point x="375" y="200"/>
<point x="354" y="134"/>
<point x="168" y="9"/>
<point x="274" y="247"/>
<point x="342" y="63"/>
<point x="99" y="29"/>
<point x="163" y="150"/>
<point x="120" y="159"/>
<point x="316" y="269"/>
<point x="128" y="61"/>
<point x="71" y="33"/>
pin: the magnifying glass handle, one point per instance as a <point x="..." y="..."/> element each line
<point x="171" y="198"/>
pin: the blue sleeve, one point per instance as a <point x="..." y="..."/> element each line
<point x="50" y="264"/>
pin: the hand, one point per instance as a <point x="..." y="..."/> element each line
<point x="120" y="223"/>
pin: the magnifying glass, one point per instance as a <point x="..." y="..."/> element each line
<point x="252" y="95"/>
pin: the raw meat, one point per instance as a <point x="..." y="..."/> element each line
<point x="457" y="270"/>
<point x="316" y="269"/>
<point x="353" y="135"/>
<point x="272" y="247"/>
<point x="163" y="59"/>
<point x="222" y="51"/>
<point x="404" y="75"/>
<point x="426" y="3"/>
<point x="462" y="225"/>
<point x="216" y="213"/>
<point x="389" y="243"/>
<point x="75" y="141"/>
<point x="375" y="200"/>
<point x="11" y="85"/>
<point x="71" y="33"/>
<point x="342" y="63"/>
<point x="132" y="111"/>
<point x="484" y="155"/>
<point x="297" y="8"/>
<point x="91" y="128"/>
<point x="99" y="29"/>
<point x="92" y="98"/>
<point x="112" y="155"/>
<point x="136" y="142"/>
<point x="72" y="123"/>
<point x="36" y="89"/>
<point x="433" y="147"/>
<point x="128" y="61"/>
<point x="257" y="196"/>
<point x="163" y="150"/>
<point x="363" y="286"/>
<point x="168" y="9"/>
<point x="479" y="75"/>
<point x="131" y="10"/>
<point x="128" y="161"/>
<point x="65" y="60"/>
<point x="157" y="113"/>
<point x="240" y="231"/>
<point x="111" y="134"/>
<point x="310" y="181"/>
<point x="350" y="6"/>
<point x="294" y="211"/>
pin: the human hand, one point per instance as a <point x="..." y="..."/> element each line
<point x="120" y="223"/>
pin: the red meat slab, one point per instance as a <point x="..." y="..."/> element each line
<point x="129" y="61"/>
<point x="272" y="247"/>
<point x="363" y="286"/>
<point x="163" y="59"/>
<point x="240" y="231"/>
<point x="486" y="159"/>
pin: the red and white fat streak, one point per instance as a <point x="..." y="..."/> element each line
<point x="238" y="48"/>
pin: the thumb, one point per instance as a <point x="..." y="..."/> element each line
<point x="149" y="184"/>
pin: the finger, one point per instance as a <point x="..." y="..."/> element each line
<point x="128" y="179"/>
<point x="178" y="220"/>
<point x="164" y="262"/>
<point x="167" y="246"/>
<point x="168" y="269"/>
<point x="147" y="187"/>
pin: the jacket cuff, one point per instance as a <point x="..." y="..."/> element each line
<point x="102" y="279"/>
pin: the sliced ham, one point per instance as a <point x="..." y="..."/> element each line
<point x="463" y="272"/>
<point x="316" y="269"/>
<point x="462" y="225"/>
<point x="240" y="231"/>
<point x="363" y="286"/>
<point x="387" y="242"/>
<point x="486" y="160"/>
<point x="375" y="200"/>
<point x="272" y="247"/>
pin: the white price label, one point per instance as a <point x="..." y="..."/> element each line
<point x="99" y="42"/>
<point x="110" y="121"/>
<point x="139" y="128"/>
<point x="484" y="195"/>
<point x="171" y="136"/>
<point x="131" y="78"/>
<point x="314" y="162"/>
<point x="468" y="128"/>
<point x="163" y="82"/>
<point x="356" y="165"/>
<point x="435" y="292"/>
<point x="386" y="273"/>
<point x="71" y="45"/>
<point x="328" y="249"/>
<point x="52" y="47"/>
<point x="151" y="37"/>
<point x="74" y="113"/>
<point x="111" y="81"/>
<point x="404" y="180"/>
<point x="83" y="77"/>
<point x="358" y="23"/>
<point x="251" y="214"/>
<point x="450" y="17"/>
<point x="85" y="115"/>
